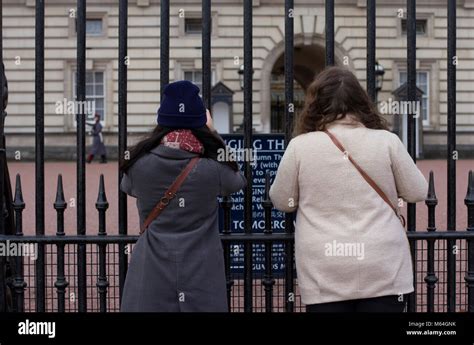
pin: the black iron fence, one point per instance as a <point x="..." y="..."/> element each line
<point x="278" y="123"/>
<point x="86" y="272"/>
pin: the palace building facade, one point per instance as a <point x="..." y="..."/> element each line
<point x="227" y="60"/>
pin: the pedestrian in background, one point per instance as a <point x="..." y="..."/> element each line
<point x="343" y="173"/>
<point x="98" y="147"/>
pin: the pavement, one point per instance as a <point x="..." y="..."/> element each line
<point x="110" y="172"/>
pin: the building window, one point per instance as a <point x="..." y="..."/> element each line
<point x="422" y="82"/>
<point x="95" y="92"/>
<point x="195" y="76"/>
<point x="94" y="27"/>
<point x="193" y="25"/>
<point x="421" y="26"/>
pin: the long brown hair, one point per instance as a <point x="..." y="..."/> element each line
<point x="333" y="94"/>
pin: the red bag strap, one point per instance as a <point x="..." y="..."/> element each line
<point x="169" y="194"/>
<point x="364" y="174"/>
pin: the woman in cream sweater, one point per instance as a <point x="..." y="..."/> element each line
<point x="352" y="253"/>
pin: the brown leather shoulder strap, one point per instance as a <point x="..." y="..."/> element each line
<point x="362" y="172"/>
<point x="169" y="194"/>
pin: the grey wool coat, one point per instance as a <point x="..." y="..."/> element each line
<point x="178" y="264"/>
<point x="98" y="147"/>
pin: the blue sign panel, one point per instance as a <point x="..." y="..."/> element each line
<point x="267" y="151"/>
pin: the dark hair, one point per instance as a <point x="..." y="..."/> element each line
<point x="333" y="94"/>
<point x="211" y="142"/>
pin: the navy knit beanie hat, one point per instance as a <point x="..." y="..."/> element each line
<point x="181" y="106"/>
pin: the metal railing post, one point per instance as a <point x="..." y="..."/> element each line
<point x="469" y="277"/>
<point x="411" y="133"/>
<point x="206" y="52"/>
<point x="371" y="34"/>
<point x="122" y="133"/>
<point x="431" y="279"/>
<point x="248" y="143"/>
<point x="39" y="152"/>
<point x="452" y="154"/>
<point x="81" y="163"/>
<point x="329" y="10"/>
<point x="289" y="116"/>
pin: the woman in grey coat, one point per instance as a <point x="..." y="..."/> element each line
<point x="177" y="263"/>
<point x="98" y="147"/>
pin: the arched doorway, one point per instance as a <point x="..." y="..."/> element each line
<point x="309" y="59"/>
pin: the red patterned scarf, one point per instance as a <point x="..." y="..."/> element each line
<point x="183" y="139"/>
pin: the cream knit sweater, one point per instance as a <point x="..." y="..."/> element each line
<point x="349" y="244"/>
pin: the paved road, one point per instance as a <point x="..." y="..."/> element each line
<point x="93" y="171"/>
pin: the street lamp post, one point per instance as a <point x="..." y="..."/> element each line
<point x="379" y="73"/>
<point x="241" y="76"/>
